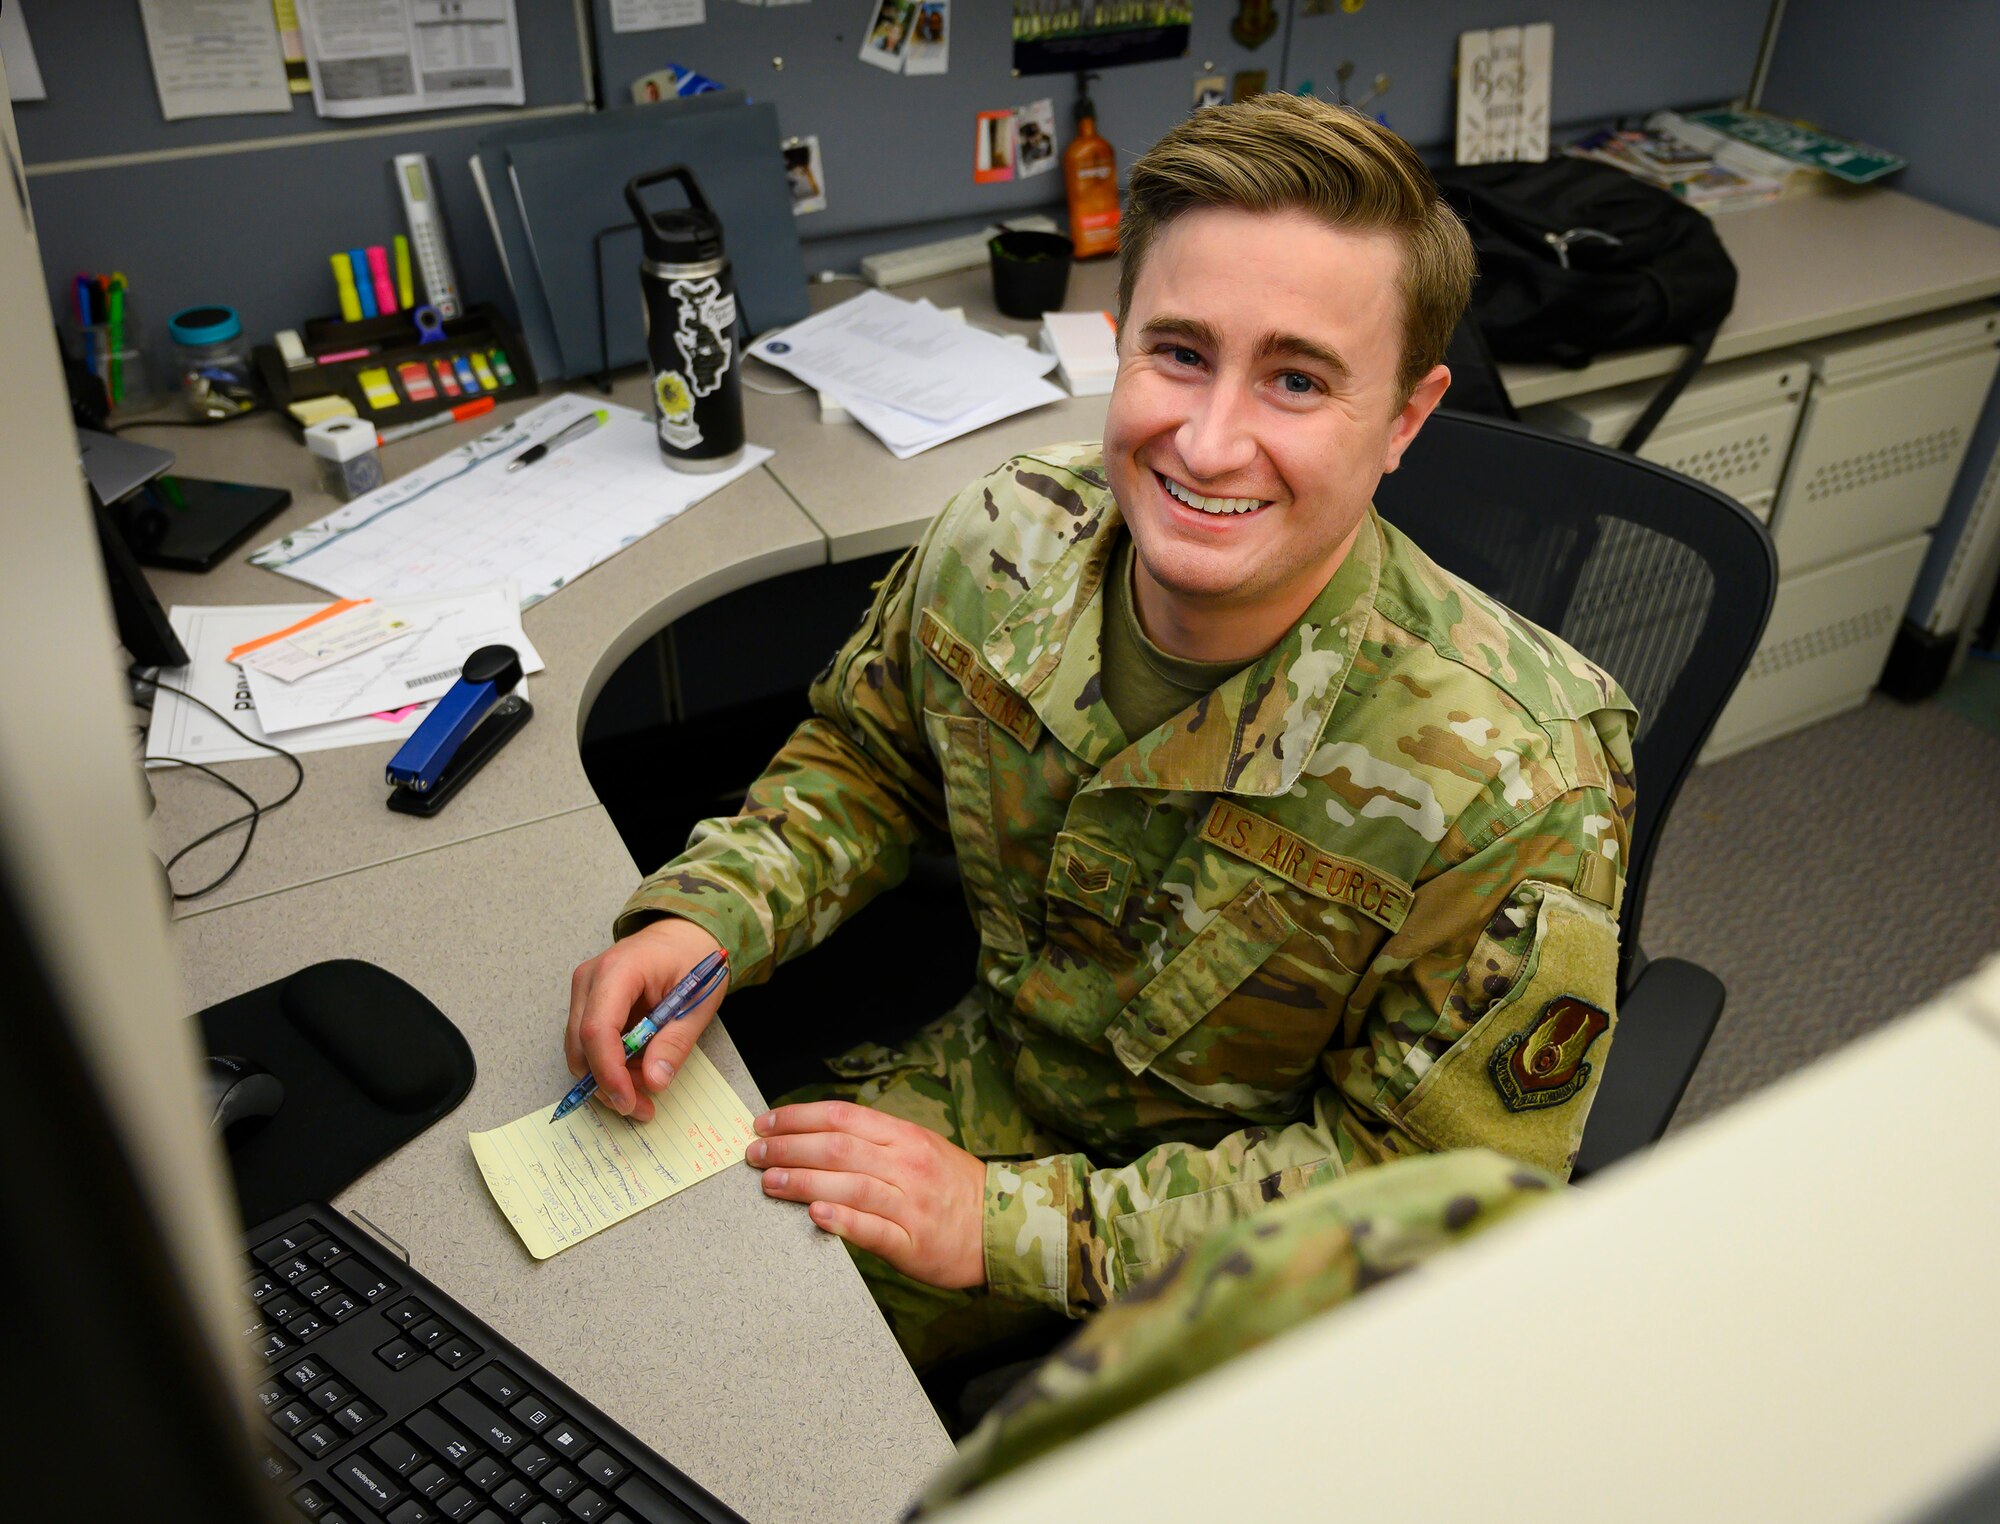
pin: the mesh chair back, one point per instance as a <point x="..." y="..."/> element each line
<point x="1662" y="581"/>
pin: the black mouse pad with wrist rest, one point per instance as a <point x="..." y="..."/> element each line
<point x="367" y="1063"/>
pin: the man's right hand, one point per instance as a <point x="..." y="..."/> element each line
<point x="614" y="991"/>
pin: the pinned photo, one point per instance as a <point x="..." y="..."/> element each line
<point x="803" y="175"/>
<point x="1034" y="139"/>
<point x="993" y="153"/>
<point x="888" y="35"/>
<point x="930" y="38"/>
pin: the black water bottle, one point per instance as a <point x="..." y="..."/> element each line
<point x="690" y="328"/>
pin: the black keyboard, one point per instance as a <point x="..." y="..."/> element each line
<point x="386" y="1402"/>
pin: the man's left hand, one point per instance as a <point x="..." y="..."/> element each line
<point x="885" y="1185"/>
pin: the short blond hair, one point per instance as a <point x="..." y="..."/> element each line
<point x="1276" y="153"/>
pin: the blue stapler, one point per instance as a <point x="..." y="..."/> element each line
<point x="467" y="726"/>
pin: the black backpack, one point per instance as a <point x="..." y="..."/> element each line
<point x="1577" y="258"/>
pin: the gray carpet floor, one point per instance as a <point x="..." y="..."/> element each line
<point x="1832" y="879"/>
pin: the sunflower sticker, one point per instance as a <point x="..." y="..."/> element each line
<point x="676" y="404"/>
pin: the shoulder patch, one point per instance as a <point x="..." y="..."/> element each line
<point x="991" y="697"/>
<point x="1324" y="874"/>
<point x="1544" y="1065"/>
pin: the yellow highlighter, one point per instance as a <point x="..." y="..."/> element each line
<point x="343" y="277"/>
<point x="406" y="294"/>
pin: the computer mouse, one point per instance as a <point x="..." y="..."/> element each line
<point x="238" y="1089"/>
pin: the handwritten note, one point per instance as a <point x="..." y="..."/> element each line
<point x="560" y="1183"/>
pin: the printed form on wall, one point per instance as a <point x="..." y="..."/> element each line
<point x="378" y="57"/>
<point x="215" y="57"/>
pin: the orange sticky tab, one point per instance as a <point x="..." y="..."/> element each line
<point x="292" y="629"/>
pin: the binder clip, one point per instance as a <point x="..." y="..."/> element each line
<point x="467" y="726"/>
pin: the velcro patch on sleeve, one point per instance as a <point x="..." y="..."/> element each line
<point x="1326" y="875"/>
<point x="991" y="697"/>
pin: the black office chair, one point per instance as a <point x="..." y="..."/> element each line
<point x="1665" y="583"/>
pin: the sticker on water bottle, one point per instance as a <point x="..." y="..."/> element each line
<point x="677" y="425"/>
<point x="705" y="318"/>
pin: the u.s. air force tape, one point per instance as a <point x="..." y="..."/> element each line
<point x="1324" y="874"/>
<point x="991" y="697"/>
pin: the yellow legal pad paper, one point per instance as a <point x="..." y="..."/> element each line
<point x="559" y="1183"/>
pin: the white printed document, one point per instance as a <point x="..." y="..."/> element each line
<point x="465" y="520"/>
<point x="444" y="629"/>
<point x="215" y="57"/>
<point x="378" y="57"/>
<point x="906" y="355"/>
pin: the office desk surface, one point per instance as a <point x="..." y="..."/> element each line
<point x="747" y="532"/>
<point x="721" y="1327"/>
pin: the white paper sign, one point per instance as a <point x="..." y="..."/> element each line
<point x="655" y="15"/>
<point x="215" y="57"/>
<point x="377" y="57"/>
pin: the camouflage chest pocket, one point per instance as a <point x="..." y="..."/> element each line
<point x="963" y="746"/>
<point x="1239" y="1016"/>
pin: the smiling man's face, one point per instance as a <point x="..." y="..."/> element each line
<point x="1255" y="410"/>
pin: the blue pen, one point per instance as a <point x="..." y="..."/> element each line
<point x="684" y="997"/>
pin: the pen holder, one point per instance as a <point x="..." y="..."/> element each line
<point x="129" y="386"/>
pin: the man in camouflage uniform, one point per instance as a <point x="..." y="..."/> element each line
<point x="1290" y="853"/>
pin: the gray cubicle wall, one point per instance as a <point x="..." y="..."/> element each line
<point x="898" y="150"/>
<point x="244" y="209"/>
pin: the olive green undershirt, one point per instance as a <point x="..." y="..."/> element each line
<point x="1143" y="685"/>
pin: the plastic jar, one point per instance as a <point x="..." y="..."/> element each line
<point x="213" y="360"/>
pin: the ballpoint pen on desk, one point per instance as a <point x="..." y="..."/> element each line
<point x="457" y="414"/>
<point x="681" y="999"/>
<point x="575" y="431"/>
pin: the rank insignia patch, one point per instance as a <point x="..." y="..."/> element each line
<point x="1544" y="1065"/>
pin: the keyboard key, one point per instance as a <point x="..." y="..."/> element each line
<point x="412" y="1511"/>
<point x="533" y="1460"/>
<point x="600" y="1466"/>
<point x="272" y="1395"/>
<point x="275" y="1467"/>
<point x="561" y="1482"/>
<point x="442" y="1437"/>
<point x="306" y="1374"/>
<point x="458" y="1503"/>
<point x="292" y="1417"/>
<point x="398" y="1353"/>
<point x="330" y="1394"/>
<point x="567" y="1440"/>
<point x="486" y="1473"/>
<point x="260" y="1288"/>
<point x="277" y="1250"/>
<point x="430" y="1333"/>
<point x="295" y="1269"/>
<point x="534" y="1412"/>
<point x="365" y="1283"/>
<point x="541" y="1513"/>
<point x="457" y="1351"/>
<point x="340" y="1307"/>
<point x="513" y="1495"/>
<point x="589" y="1506"/>
<point x="648" y="1503"/>
<point x="327" y="1253"/>
<point x="395" y="1451"/>
<point x="355" y="1416"/>
<point x="315" y="1288"/>
<point x="274" y="1346"/>
<point x="278" y="1308"/>
<point x="487" y="1516"/>
<point x="499" y="1383"/>
<point x="312" y="1500"/>
<point x="319" y="1439"/>
<point x="254" y="1324"/>
<point x="407" y="1314"/>
<point x="306" y="1327"/>
<point x="485" y="1424"/>
<point x="430" y="1479"/>
<point x="373" y="1483"/>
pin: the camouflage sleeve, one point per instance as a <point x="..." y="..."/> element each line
<point x="832" y="820"/>
<point x="1240" y="1288"/>
<point x="1485" y="1023"/>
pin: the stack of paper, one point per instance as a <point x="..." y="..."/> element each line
<point x="909" y="374"/>
<point x="1085" y="345"/>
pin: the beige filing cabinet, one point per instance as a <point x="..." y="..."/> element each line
<point x="1847" y="447"/>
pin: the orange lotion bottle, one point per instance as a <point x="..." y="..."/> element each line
<point x="1090" y="177"/>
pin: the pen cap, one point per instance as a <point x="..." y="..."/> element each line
<point x="676" y="236"/>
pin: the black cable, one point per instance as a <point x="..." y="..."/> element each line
<point x="257" y="811"/>
<point x="188" y="423"/>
